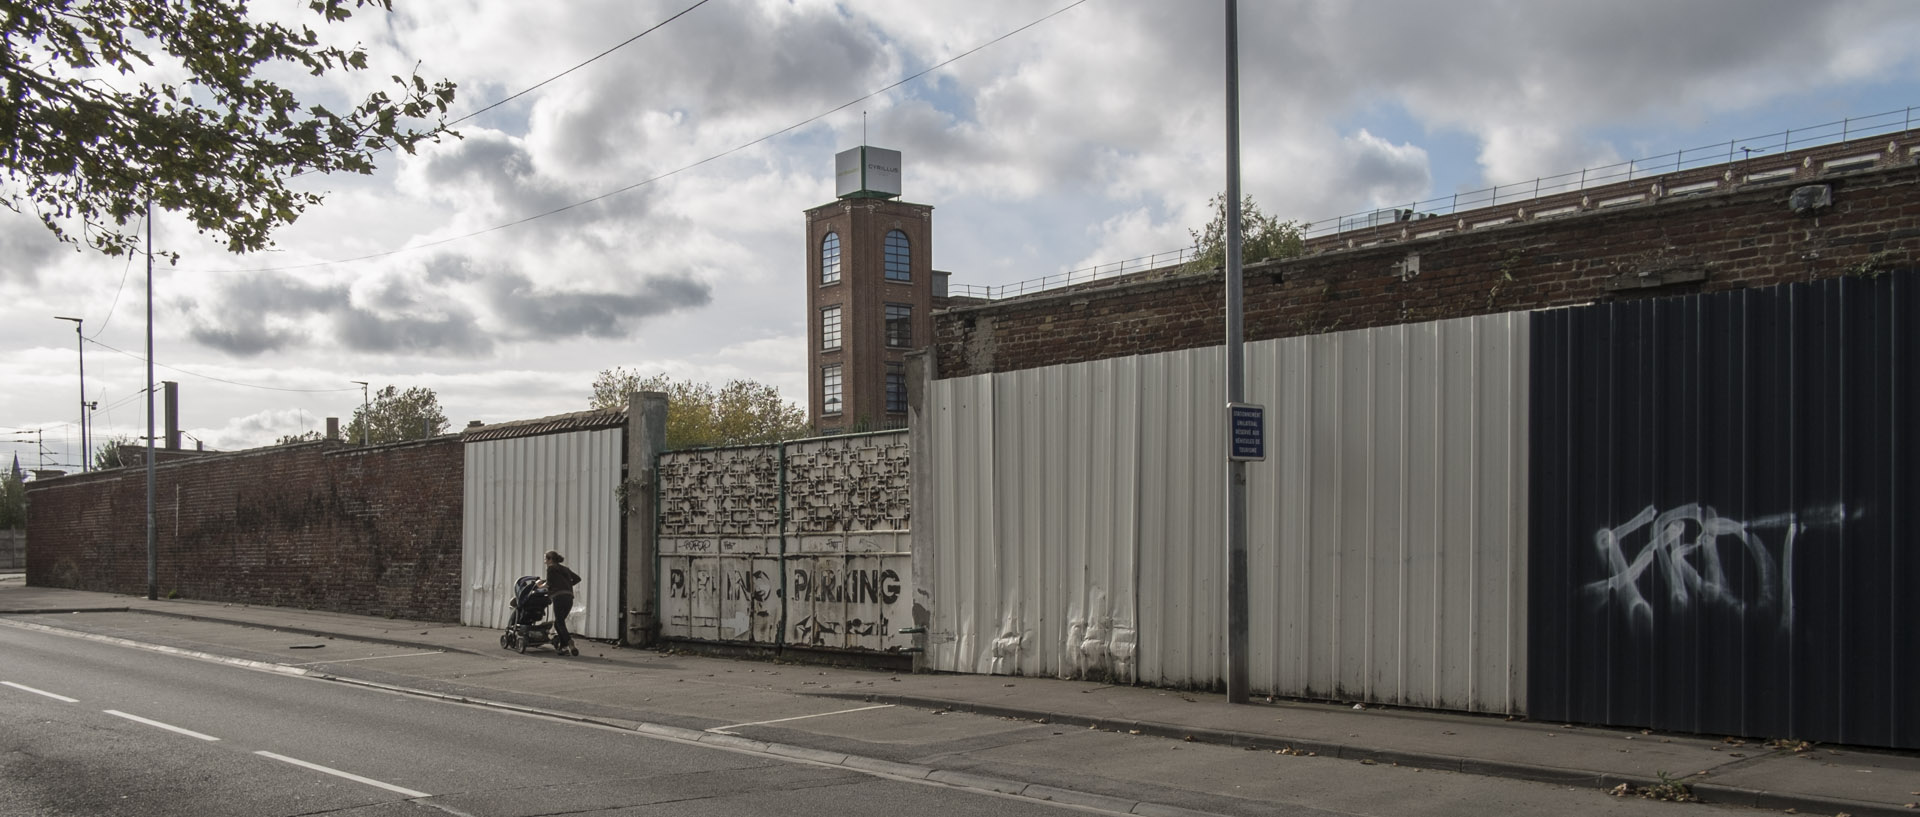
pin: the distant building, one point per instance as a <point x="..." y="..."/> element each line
<point x="870" y="288"/>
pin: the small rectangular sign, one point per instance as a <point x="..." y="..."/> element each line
<point x="1246" y="432"/>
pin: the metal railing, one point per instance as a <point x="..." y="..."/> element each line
<point x="1080" y="276"/>
<point x="1718" y="153"/>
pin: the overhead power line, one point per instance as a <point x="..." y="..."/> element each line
<point x="211" y="377"/>
<point x="676" y="171"/>
<point x="623" y="44"/>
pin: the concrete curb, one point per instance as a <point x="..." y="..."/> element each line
<point x="311" y="633"/>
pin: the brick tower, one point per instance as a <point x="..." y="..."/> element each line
<point x="869" y="292"/>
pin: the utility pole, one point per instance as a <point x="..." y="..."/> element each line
<point x="153" y="548"/>
<point x="80" y="342"/>
<point x="1237" y="678"/>
<point x="366" y="412"/>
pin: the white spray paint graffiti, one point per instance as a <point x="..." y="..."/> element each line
<point x="1685" y="545"/>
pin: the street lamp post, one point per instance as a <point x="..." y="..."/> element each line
<point x="80" y="341"/>
<point x="366" y="412"/>
<point x="1237" y="619"/>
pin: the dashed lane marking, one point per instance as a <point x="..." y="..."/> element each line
<point x="25" y="688"/>
<point x="347" y="775"/>
<point x="167" y="726"/>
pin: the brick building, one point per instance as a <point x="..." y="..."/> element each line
<point x="869" y="296"/>
<point x="1847" y="208"/>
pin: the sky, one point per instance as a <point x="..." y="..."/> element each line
<point x="644" y="210"/>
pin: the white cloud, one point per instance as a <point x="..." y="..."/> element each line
<point x="1088" y="139"/>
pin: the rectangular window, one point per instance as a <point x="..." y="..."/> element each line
<point x="830" y="389"/>
<point x="830" y="327"/>
<point x="896" y="388"/>
<point x="899" y="326"/>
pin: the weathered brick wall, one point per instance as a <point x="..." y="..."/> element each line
<point x="1747" y="236"/>
<point x="372" y="531"/>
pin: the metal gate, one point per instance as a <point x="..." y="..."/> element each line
<point x="801" y="544"/>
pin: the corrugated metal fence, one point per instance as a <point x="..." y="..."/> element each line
<point x="1724" y="533"/>
<point x="1385" y="530"/>
<point x="528" y="495"/>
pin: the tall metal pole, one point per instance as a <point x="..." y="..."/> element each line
<point x="1236" y="384"/>
<point x="153" y="553"/>
<point x="366" y="412"/>
<point x="80" y="342"/>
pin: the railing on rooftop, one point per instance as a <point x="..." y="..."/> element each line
<point x="1718" y="153"/>
<point x="1071" y="277"/>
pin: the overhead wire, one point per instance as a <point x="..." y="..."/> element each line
<point x="217" y="379"/>
<point x="676" y="171"/>
<point x="623" y="44"/>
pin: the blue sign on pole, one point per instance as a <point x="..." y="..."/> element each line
<point x="1246" y="432"/>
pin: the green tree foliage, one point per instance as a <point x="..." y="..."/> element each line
<point x="1261" y="237"/>
<point x="13" y="502"/>
<point x="743" y="412"/>
<point x="88" y="132"/>
<point x="108" y="456"/>
<point x="303" y="437"/>
<point x="397" y="416"/>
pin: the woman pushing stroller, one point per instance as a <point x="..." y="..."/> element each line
<point x="559" y="586"/>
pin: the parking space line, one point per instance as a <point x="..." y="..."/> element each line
<point x="347" y="775"/>
<point x="723" y="729"/>
<point x="25" y="688"/>
<point x="167" y="726"/>
<point x="369" y="658"/>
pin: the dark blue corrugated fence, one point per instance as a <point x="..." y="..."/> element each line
<point x="1725" y="517"/>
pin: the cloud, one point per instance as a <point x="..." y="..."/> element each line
<point x="260" y="312"/>
<point x="453" y="332"/>
<point x="547" y="314"/>
<point x="26" y="249"/>
<point x="1382" y="172"/>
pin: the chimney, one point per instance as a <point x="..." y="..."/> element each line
<point x="171" y="394"/>
<point x="333" y="428"/>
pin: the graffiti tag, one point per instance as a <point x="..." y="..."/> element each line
<point x="1689" y="550"/>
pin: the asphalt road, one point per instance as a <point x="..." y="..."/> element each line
<point x="61" y="757"/>
<point x="95" y="729"/>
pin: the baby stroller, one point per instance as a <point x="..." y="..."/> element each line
<point x="525" y="629"/>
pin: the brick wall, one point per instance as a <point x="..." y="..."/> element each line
<point x="372" y="531"/>
<point x="1743" y="235"/>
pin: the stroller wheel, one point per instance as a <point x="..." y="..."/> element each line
<point x="506" y="641"/>
<point x="520" y="643"/>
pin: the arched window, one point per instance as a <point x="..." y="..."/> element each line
<point x="830" y="259"/>
<point x="899" y="257"/>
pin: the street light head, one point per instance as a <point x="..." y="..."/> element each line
<point x="65" y="318"/>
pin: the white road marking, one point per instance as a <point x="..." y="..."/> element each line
<point x="25" y="688"/>
<point x="723" y="729"/>
<point x="167" y="726"/>
<point x="369" y="658"/>
<point x="348" y="775"/>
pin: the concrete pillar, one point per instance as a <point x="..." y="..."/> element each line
<point x="922" y="370"/>
<point x="639" y="593"/>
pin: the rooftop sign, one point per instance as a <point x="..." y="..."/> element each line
<point x="867" y="173"/>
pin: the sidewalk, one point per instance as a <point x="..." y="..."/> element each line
<point x="703" y="698"/>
